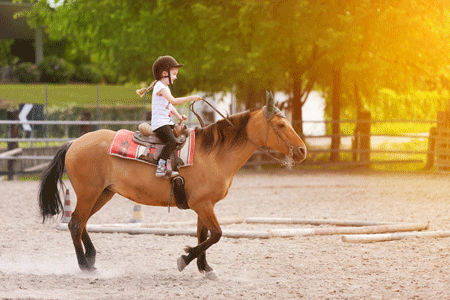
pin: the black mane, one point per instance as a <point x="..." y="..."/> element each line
<point x="220" y="133"/>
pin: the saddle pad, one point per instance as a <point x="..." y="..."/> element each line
<point x="124" y="146"/>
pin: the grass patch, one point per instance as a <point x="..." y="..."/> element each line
<point x="389" y="128"/>
<point x="63" y="94"/>
<point x="4" y="145"/>
<point x="420" y="145"/>
<point x="413" y="145"/>
<point x="36" y="177"/>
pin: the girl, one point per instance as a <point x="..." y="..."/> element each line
<point x="165" y="71"/>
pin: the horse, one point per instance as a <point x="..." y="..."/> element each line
<point x="221" y="149"/>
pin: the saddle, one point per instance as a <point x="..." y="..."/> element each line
<point x="153" y="145"/>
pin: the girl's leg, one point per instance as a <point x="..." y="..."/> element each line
<point x="166" y="135"/>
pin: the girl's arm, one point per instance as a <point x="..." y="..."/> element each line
<point x="177" y="101"/>
<point x="176" y="113"/>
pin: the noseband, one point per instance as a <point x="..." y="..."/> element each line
<point x="269" y="117"/>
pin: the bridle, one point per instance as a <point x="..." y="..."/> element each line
<point x="269" y="117"/>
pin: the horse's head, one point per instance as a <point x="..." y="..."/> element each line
<point x="274" y="130"/>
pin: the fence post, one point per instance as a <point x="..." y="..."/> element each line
<point x="431" y="148"/>
<point x="85" y="116"/>
<point x="13" y="132"/>
<point x="98" y="106"/>
<point x="364" y="135"/>
<point x="46" y="113"/>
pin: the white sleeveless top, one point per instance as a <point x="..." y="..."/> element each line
<point x="161" y="107"/>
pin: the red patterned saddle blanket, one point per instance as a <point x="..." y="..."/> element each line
<point x="124" y="146"/>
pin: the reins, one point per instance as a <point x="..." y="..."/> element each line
<point x="191" y="108"/>
<point x="263" y="150"/>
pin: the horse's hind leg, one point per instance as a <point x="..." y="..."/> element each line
<point x="88" y="245"/>
<point x="77" y="225"/>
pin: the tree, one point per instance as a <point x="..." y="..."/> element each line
<point x="349" y="50"/>
<point x="374" y="44"/>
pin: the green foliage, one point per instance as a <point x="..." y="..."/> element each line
<point x="6" y="58"/>
<point x="87" y="74"/>
<point x="414" y="105"/>
<point x="27" y="72"/>
<point x="56" y="70"/>
<point x="256" y="45"/>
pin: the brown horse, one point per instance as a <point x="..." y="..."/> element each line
<point x="221" y="149"/>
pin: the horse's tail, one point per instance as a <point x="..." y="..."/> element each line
<point x="49" y="199"/>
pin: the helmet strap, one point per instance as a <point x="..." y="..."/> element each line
<point x="170" y="81"/>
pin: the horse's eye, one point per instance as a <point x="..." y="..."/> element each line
<point x="281" y="125"/>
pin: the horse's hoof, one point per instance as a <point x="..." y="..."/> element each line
<point x="181" y="263"/>
<point x="91" y="262"/>
<point x="212" y="275"/>
<point x="88" y="269"/>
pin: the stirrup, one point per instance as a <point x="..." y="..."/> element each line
<point x="160" y="171"/>
<point x="170" y="173"/>
<point x="174" y="174"/>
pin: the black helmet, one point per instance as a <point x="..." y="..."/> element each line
<point x="164" y="63"/>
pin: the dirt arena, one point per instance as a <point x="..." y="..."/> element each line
<point x="38" y="262"/>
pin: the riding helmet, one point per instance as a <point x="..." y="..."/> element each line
<point x="164" y="63"/>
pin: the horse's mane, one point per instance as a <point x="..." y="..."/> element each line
<point x="222" y="133"/>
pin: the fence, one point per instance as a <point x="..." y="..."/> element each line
<point x="360" y="145"/>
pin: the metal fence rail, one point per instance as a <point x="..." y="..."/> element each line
<point x="255" y="161"/>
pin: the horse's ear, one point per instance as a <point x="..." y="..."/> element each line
<point x="270" y="110"/>
<point x="269" y="101"/>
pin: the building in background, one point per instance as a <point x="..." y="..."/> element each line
<point x="313" y="110"/>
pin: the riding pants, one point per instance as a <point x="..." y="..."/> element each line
<point x="165" y="133"/>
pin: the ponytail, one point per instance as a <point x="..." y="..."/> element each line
<point x="141" y="92"/>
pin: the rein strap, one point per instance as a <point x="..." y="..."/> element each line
<point x="263" y="150"/>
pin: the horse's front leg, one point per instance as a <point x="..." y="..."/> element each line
<point x="203" y="267"/>
<point x="207" y="220"/>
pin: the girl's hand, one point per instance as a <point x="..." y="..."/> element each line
<point x="195" y="98"/>
<point x="183" y="117"/>
<point x="141" y="92"/>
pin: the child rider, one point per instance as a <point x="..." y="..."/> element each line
<point x="165" y="70"/>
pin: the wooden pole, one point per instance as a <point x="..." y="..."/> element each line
<point x="347" y="230"/>
<point x="264" y="234"/>
<point x="222" y="221"/>
<point x="13" y="152"/>
<point x="259" y="220"/>
<point x="431" y="148"/>
<point x="383" y="237"/>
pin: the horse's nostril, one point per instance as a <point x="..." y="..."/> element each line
<point x="302" y="151"/>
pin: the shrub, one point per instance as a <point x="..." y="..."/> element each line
<point x="56" y="70"/>
<point x="87" y="74"/>
<point x="26" y="72"/>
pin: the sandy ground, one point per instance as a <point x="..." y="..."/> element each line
<point x="38" y="262"/>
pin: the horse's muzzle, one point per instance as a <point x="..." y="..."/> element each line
<point x="299" y="154"/>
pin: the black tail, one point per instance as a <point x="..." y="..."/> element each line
<point x="49" y="199"/>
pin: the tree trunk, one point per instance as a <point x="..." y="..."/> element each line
<point x="297" y="105"/>
<point x="358" y="103"/>
<point x="336" y="112"/>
